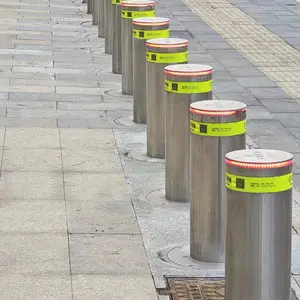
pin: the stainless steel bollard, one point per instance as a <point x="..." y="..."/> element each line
<point x="131" y="9"/>
<point x="217" y="127"/>
<point x="84" y="1"/>
<point x="101" y="19"/>
<point x="259" y="225"/>
<point x="95" y="12"/>
<point x="108" y="28"/>
<point x="116" y="47"/>
<point x="89" y="6"/>
<point x="184" y="84"/>
<point x="144" y="29"/>
<point x="160" y="53"/>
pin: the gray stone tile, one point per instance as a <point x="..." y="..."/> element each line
<point x="272" y="92"/>
<point x="28" y="287"/>
<point x="235" y="62"/>
<point x="19" y="138"/>
<point x="93" y="106"/>
<point x="295" y="132"/>
<point x="281" y="105"/>
<point x="289" y="119"/>
<point x="228" y="87"/>
<point x="110" y="287"/>
<point x="208" y="38"/>
<point x="212" y="45"/>
<point x="32" y="186"/>
<point x="258" y="127"/>
<point x="34" y="216"/>
<point x="84" y="123"/>
<point x="32" y="160"/>
<point x="258" y="112"/>
<point x="243" y="97"/>
<point x="245" y="72"/>
<point x="108" y="255"/>
<point x="282" y="142"/>
<point x="28" y="122"/>
<point x="255" y="82"/>
<point x="42" y="253"/>
<point x="296" y="165"/>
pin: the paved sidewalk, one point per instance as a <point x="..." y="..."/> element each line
<point x="82" y="215"/>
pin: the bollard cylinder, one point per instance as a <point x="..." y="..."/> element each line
<point x="108" y="26"/>
<point x="101" y="19"/>
<point x="160" y="53"/>
<point x="259" y="225"/>
<point x="116" y="47"/>
<point x="217" y="127"/>
<point x="84" y="1"/>
<point x="89" y="6"/>
<point x="144" y="29"/>
<point x="131" y="9"/>
<point x="95" y="12"/>
<point x="184" y="84"/>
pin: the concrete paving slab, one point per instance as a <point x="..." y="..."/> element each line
<point x="108" y="255"/>
<point x="93" y="287"/>
<point x="29" y="254"/>
<point x="28" y="287"/>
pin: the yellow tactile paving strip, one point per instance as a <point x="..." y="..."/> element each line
<point x="271" y="54"/>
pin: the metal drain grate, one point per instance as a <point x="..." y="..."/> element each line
<point x="196" y="288"/>
<point x="199" y="289"/>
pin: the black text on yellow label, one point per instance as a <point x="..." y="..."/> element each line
<point x="165" y="58"/>
<point x="218" y="129"/>
<point x="126" y="14"/>
<point x="259" y="185"/>
<point x="188" y="87"/>
<point x="151" y="34"/>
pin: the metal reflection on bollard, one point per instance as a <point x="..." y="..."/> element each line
<point x="184" y="84"/>
<point x="89" y="6"/>
<point x="217" y="127"/>
<point x="95" y="12"/>
<point x="116" y="47"/>
<point x="259" y="225"/>
<point x="160" y="53"/>
<point x="101" y="19"/>
<point x="144" y="29"/>
<point x="108" y="26"/>
<point x="131" y="9"/>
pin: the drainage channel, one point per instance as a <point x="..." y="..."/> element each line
<point x="186" y="288"/>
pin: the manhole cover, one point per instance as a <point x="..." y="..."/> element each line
<point x="197" y="288"/>
<point x="200" y="289"/>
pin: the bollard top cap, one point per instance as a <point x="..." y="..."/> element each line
<point x="188" y="70"/>
<point x="150" y="21"/>
<point x="259" y="159"/>
<point x="217" y="107"/>
<point x="138" y="3"/>
<point x="167" y="43"/>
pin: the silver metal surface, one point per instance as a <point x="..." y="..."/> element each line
<point x="177" y="146"/>
<point x="258" y="232"/>
<point x="108" y="26"/>
<point x="155" y="92"/>
<point x="84" y="1"/>
<point x="143" y="29"/>
<point x="207" y="178"/>
<point x="89" y="6"/>
<point x="101" y="31"/>
<point x="130" y="10"/>
<point x="95" y="12"/>
<point x="116" y="47"/>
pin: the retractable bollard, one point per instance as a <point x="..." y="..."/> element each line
<point x="101" y="19"/>
<point x="144" y="29"/>
<point x="95" y="12"/>
<point x="184" y="84"/>
<point x="217" y="127"/>
<point x="259" y="225"/>
<point x="131" y="9"/>
<point x="116" y="47"/>
<point x="84" y="1"/>
<point x="89" y="6"/>
<point x="108" y="26"/>
<point x="160" y="53"/>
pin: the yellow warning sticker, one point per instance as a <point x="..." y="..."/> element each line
<point x="259" y="185"/>
<point x="151" y="34"/>
<point x="118" y="2"/>
<point x="126" y="14"/>
<point x="165" y="58"/>
<point x="188" y="87"/>
<point x="218" y="129"/>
